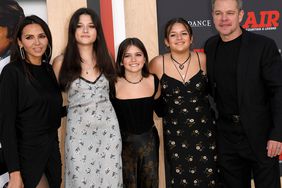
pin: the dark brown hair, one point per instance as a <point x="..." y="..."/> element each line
<point x="71" y="66"/>
<point x="173" y="21"/>
<point x="122" y="50"/>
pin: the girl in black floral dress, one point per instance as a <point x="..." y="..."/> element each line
<point x="189" y="138"/>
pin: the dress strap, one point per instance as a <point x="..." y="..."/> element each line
<point x="199" y="61"/>
<point x="163" y="65"/>
<point x="156" y="84"/>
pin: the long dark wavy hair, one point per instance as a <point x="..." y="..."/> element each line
<point x="15" y="51"/>
<point x="71" y="66"/>
<point x="122" y="50"/>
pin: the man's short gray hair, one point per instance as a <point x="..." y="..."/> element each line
<point x="239" y="4"/>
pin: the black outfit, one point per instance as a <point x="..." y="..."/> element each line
<point x="30" y="116"/>
<point x="257" y="106"/>
<point x="140" y="141"/>
<point x="189" y="133"/>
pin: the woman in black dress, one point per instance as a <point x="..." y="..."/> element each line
<point x="30" y="102"/>
<point x="189" y="138"/>
<point x="134" y="95"/>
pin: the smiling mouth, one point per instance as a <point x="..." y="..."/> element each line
<point x="134" y="65"/>
<point x="38" y="50"/>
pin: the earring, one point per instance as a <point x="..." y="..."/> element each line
<point x="22" y="53"/>
<point x="121" y="64"/>
<point x="50" y="52"/>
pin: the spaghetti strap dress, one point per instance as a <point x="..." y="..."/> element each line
<point x="189" y="132"/>
<point x="93" y="141"/>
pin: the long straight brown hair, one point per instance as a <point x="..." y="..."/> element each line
<point x="71" y="66"/>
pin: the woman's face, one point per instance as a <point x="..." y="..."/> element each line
<point x="34" y="41"/>
<point x="178" y="38"/>
<point x="86" y="32"/>
<point x="133" y="59"/>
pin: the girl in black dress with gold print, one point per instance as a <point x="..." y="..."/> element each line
<point x="30" y="101"/>
<point x="133" y="96"/>
<point x="189" y="138"/>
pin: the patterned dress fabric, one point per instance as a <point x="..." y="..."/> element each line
<point x="93" y="141"/>
<point x="188" y="133"/>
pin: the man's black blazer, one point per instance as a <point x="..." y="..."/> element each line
<point x="259" y="87"/>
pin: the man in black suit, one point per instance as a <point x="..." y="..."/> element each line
<point x="245" y="76"/>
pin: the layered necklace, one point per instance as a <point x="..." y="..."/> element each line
<point x="181" y="66"/>
<point x="131" y="82"/>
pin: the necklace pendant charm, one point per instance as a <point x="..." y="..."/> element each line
<point x="181" y="66"/>
<point x="86" y="72"/>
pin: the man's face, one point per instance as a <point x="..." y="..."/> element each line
<point x="4" y="40"/>
<point x="227" y="18"/>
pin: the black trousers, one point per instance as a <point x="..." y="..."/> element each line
<point x="237" y="162"/>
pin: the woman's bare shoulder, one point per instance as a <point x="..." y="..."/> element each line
<point x="156" y="65"/>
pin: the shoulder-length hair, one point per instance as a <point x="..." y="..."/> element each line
<point x="122" y="50"/>
<point x="71" y="66"/>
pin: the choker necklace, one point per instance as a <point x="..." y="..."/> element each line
<point x="181" y="65"/>
<point x="137" y="82"/>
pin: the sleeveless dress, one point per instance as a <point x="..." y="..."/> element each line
<point x="93" y="141"/>
<point x="189" y="138"/>
<point x="140" y="140"/>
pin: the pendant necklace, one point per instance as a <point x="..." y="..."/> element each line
<point x="137" y="82"/>
<point x="89" y="69"/>
<point x="181" y="65"/>
<point x="183" y="77"/>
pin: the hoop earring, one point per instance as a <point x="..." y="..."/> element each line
<point x="50" y="50"/>
<point x="22" y="53"/>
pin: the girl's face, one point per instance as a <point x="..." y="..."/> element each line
<point x="178" y="38"/>
<point x="133" y="59"/>
<point x="86" y="32"/>
<point x="34" y="41"/>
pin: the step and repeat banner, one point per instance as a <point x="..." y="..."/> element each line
<point x="262" y="18"/>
